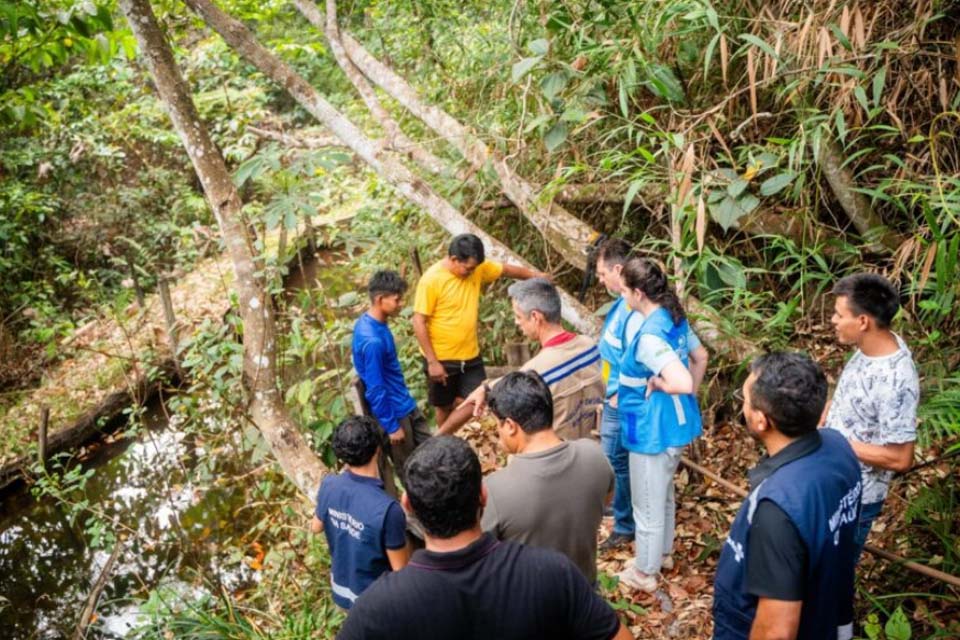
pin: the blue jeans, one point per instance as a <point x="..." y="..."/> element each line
<point x="868" y="513"/>
<point x="620" y="461"/>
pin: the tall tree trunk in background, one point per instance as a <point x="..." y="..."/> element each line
<point x="397" y="140"/>
<point x="567" y="233"/>
<point x="266" y="406"/>
<point x="239" y="38"/>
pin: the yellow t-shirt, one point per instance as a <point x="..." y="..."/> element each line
<point x="451" y="305"/>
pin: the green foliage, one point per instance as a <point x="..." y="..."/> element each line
<point x="897" y="627"/>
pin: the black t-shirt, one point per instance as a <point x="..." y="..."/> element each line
<point x="776" y="555"/>
<point x="490" y="589"/>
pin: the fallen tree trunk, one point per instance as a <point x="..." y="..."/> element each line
<point x="564" y="231"/>
<point x="239" y="38"/>
<point x="266" y="406"/>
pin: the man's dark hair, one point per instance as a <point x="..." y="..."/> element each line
<point x="791" y="390"/>
<point x="466" y="246"/>
<point x="614" y="251"/>
<point x="356" y="439"/>
<point x="442" y="478"/>
<point x="525" y="398"/>
<point x="870" y="294"/>
<point x="386" y="283"/>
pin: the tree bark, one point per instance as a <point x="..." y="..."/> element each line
<point x="238" y="37"/>
<point x="297" y="141"/>
<point x="856" y="205"/>
<point x="397" y="140"/>
<point x="568" y="235"/>
<point x="267" y="409"/>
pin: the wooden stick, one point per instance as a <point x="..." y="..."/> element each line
<point x="42" y="435"/>
<point x="81" y="631"/>
<point x="886" y="555"/>
<point x="163" y="286"/>
<point x="136" y="283"/>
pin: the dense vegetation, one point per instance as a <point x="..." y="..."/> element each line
<point x="761" y="150"/>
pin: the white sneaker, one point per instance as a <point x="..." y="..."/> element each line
<point x="636" y="579"/>
<point x="667" y="563"/>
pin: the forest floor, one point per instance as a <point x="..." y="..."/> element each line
<point x="682" y="607"/>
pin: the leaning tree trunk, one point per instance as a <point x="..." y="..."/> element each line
<point x="238" y="37"/>
<point x="266" y="407"/>
<point x="567" y="233"/>
<point x="561" y="228"/>
<point x="397" y="140"/>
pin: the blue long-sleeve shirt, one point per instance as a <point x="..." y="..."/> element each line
<point x="376" y="362"/>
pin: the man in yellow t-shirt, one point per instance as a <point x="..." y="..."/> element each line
<point x="445" y="314"/>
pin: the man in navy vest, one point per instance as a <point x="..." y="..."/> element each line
<point x="365" y="527"/>
<point x="786" y="569"/>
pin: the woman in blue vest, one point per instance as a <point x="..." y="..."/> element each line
<point x="658" y="415"/>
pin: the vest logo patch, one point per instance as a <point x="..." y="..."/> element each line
<point x="345" y="522"/>
<point x="846" y="512"/>
<point x="737" y="549"/>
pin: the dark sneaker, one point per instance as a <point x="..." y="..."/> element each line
<point x="616" y="541"/>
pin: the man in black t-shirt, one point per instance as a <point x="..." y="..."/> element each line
<point x="466" y="584"/>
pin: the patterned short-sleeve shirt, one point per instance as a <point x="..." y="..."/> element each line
<point x="876" y="402"/>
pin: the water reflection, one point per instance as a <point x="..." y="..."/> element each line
<point x="174" y="530"/>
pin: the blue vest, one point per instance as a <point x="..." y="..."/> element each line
<point x="652" y="425"/>
<point x="611" y="344"/>
<point x="820" y="493"/>
<point x="353" y="510"/>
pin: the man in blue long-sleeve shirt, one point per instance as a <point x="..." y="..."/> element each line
<point x="376" y="362"/>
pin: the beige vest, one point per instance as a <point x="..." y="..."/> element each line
<point x="572" y="371"/>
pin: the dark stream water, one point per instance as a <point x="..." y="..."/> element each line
<point x="175" y="528"/>
<point x="163" y="487"/>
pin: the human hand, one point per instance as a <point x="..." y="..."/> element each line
<point x="653" y="384"/>
<point x="614" y="400"/>
<point x="436" y="372"/>
<point x="479" y="399"/>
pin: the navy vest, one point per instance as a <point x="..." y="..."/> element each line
<point x="353" y="510"/>
<point x="820" y="493"/>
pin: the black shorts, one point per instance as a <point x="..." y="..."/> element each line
<point x="463" y="376"/>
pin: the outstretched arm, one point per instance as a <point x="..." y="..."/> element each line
<point x="522" y="273"/>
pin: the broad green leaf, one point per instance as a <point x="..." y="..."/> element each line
<point x="861" y="97"/>
<point x="776" y="184"/>
<point x="632" y="192"/>
<point x="304" y="391"/>
<point x="732" y="273"/>
<point x="539" y="47"/>
<point x="553" y="84"/>
<point x="521" y="68"/>
<point x="879" y="78"/>
<point x="664" y="83"/>
<point x="737" y="187"/>
<point x="555" y="137"/>
<point x="898" y="627"/>
<point x="573" y="115"/>
<point x="760" y="44"/>
<point x="841" y="123"/>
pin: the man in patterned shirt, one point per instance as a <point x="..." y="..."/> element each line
<point x="875" y="402"/>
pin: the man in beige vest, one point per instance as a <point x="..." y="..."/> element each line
<point x="568" y="362"/>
